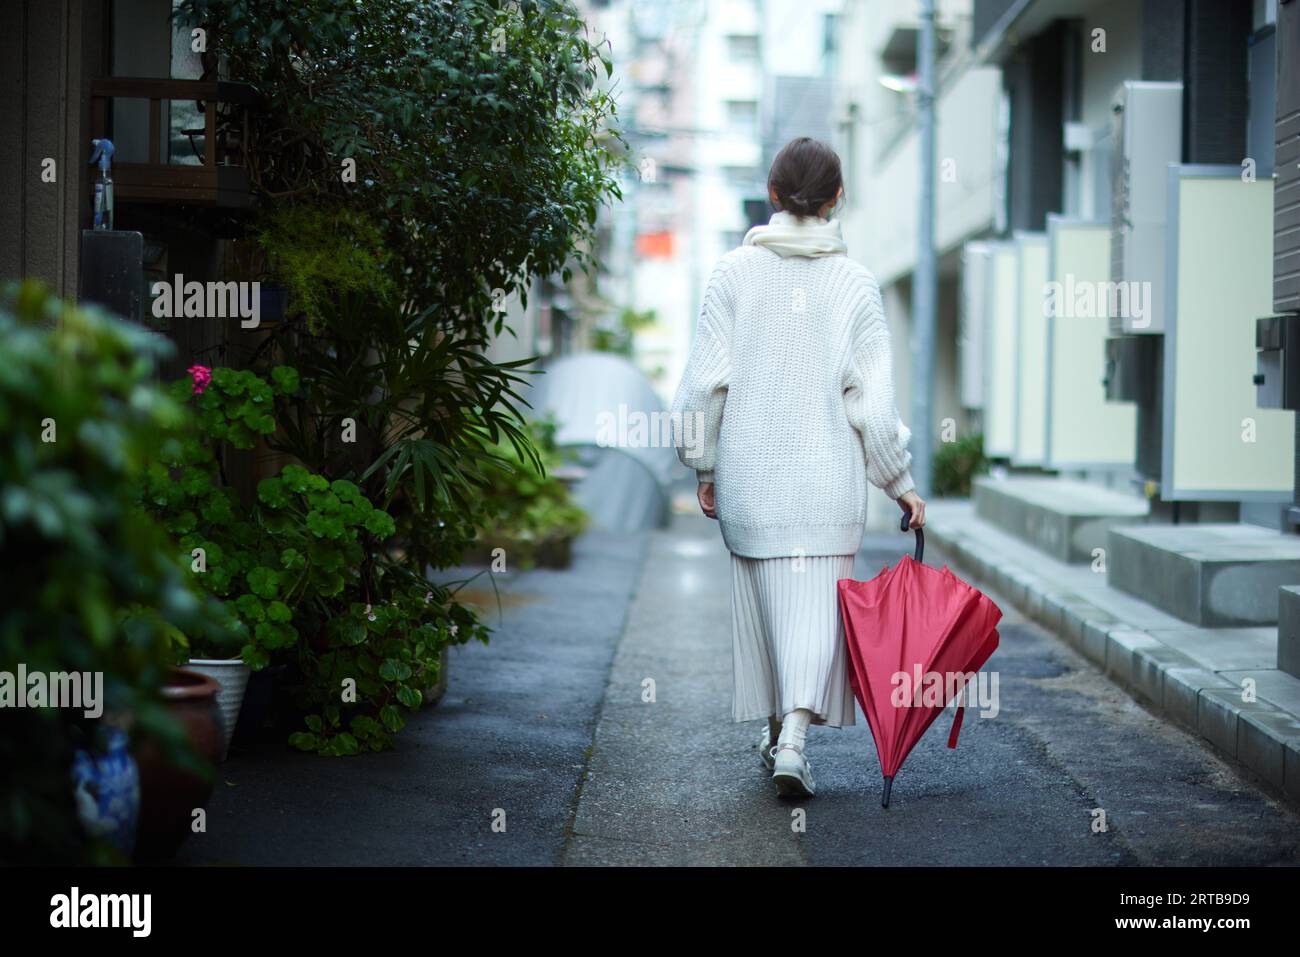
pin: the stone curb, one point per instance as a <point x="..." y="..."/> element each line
<point x="1263" y="738"/>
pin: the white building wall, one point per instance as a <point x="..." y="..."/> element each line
<point x="726" y="140"/>
<point x="659" y="196"/>
<point x="727" y="154"/>
<point x="793" y="35"/>
<point x="964" y="190"/>
<point x="878" y="143"/>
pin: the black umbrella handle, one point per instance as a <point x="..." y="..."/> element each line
<point x="920" y="536"/>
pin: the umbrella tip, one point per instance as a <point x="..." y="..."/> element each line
<point x="889" y="784"/>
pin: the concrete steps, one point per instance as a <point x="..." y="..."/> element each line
<point x="1212" y="575"/>
<point x="1220" y="683"/>
<point x="1062" y="518"/>
<point x="1288" y="629"/>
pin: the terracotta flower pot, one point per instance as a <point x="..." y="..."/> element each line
<point x="169" y="795"/>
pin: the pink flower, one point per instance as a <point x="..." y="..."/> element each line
<point x="202" y="375"/>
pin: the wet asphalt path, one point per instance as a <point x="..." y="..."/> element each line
<point x="487" y="777"/>
<point x="674" y="781"/>
<point x="597" y="727"/>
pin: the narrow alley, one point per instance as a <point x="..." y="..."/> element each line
<point x="547" y="732"/>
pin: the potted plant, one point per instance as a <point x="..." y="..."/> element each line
<point x="956" y="464"/>
<point x="171" y="791"/>
<point x="527" y="508"/>
<point x="274" y="562"/>
<point x="395" y="288"/>
<point x="301" y="570"/>
<point x="217" y="537"/>
<point x="81" y="419"/>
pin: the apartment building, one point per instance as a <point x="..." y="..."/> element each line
<point x="1129" y="346"/>
<point x="874" y="130"/>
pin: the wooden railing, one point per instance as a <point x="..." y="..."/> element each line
<point x="221" y="179"/>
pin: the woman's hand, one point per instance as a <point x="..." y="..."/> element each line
<point x="705" y="495"/>
<point x="911" y="502"/>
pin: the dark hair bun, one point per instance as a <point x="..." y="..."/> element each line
<point x="805" y="176"/>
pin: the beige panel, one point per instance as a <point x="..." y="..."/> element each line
<point x="1083" y="429"/>
<point x="1031" y="350"/>
<point x="1223" y="282"/>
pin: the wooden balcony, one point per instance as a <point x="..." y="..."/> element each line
<point x="221" y="179"/>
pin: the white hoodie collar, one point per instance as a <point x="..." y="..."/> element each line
<point x="789" y="235"/>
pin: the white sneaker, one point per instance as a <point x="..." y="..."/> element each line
<point x="765" y="748"/>
<point x="791" y="773"/>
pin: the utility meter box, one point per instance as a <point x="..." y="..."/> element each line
<point x="1277" y="362"/>
<point x="1129" y="364"/>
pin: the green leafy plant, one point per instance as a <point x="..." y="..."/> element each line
<point x="957" y="463"/>
<point x="526" y="506"/>
<point x="483" y="148"/>
<point x="427" y="413"/>
<point x="226" y="547"/>
<point x="620" y="340"/>
<point x="81" y="422"/>
<point x="480" y="141"/>
<point x="320" y="253"/>
<point x="372" y="665"/>
<point x="295" y="568"/>
<point x="477" y="127"/>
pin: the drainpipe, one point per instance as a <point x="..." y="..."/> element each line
<point x="924" y="282"/>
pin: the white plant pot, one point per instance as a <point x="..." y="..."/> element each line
<point x="433" y="695"/>
<point x="231" y="675"/>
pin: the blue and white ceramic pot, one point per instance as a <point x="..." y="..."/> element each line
<point x="106" y="786"/>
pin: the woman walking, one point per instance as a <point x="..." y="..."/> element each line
<point x="787" y="406"/>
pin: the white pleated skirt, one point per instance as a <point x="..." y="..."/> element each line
<point x="788" y="647"/>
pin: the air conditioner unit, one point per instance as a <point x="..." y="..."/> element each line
<point x="1148" y="130"/>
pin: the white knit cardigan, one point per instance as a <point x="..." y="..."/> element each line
<point x="787" y="400"/>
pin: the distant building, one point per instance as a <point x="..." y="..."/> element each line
<point x="875" y="135"/>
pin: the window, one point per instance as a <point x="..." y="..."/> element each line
<point x="742" y="47"/>
<point x="742" y="117"/>
<point x="740" y="175"/>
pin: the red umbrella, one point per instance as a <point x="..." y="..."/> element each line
<point x="916" y="636"/>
